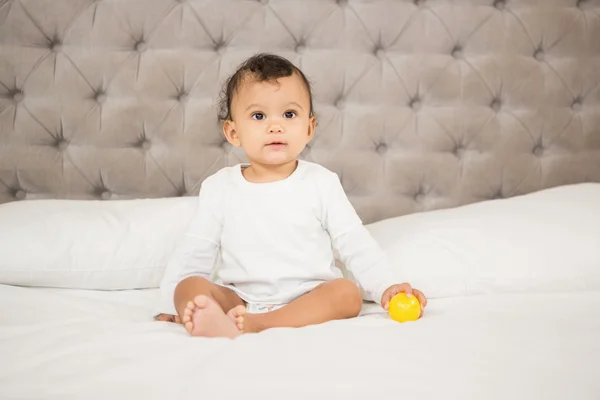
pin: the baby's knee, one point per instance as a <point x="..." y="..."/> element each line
<point x="349" y="296"/>
<point x="191" y="286"/>
<point x="188" y="288"/>
<point x="194" y="281"/>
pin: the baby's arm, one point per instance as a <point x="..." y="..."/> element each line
<point x="357" y="249"/>
<point x="362" y="256"/>
<point x="197" y="252"/>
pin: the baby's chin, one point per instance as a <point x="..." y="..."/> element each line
<point x="276" y="158"/>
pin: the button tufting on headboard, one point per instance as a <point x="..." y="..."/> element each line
<point x="182" y="96"/>
<point x="419" y="196"/>
<point x="538" y="150"/>
<point x="100" y="96"/>
<point x="497" y="195"/>
<point x="415" y="104"/>
<point x="496" y="105"/>
<point x="381" y="148"/>
<point x="17" y="95"/>
<point x="140" y="46"/>
<point x="145" y="144"/>
<point x="459" y="151"/>
<point x="582" y="3"/>
<point x="220" y="48"/>
<point x="61" y="144"/>
<point x="539" y="54"/>
<point x="300" y="47"/>
<point x="55" y="45"/>
<point x="457" y="51"/>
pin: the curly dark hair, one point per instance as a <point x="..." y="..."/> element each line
<point x="261" y="67"/>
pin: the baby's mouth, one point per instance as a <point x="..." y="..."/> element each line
<point x="277" y="144"/>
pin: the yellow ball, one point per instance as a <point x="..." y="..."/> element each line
<point x="403" y="308"/>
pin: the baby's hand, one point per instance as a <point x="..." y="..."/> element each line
<point x="167" y="318"/>
<point x="406" y="288"/>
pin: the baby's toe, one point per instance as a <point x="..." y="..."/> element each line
<point x="188" y="327"/>
<point x="237" y="315"/>
<point x="240" y="324"/>
<point x="238" y="311"/>
<point x="201" y="301"/>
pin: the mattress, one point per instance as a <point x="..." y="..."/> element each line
<point x="76" y="344"/>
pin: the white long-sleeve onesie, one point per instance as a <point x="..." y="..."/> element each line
<point x="276" y="241"/>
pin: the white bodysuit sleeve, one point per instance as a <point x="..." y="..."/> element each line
<point x="357" y="249"/>
<point x="197" y="252"/>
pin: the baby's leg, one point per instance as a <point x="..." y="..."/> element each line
<point x="337" y="299"/>
<point x="202" y="307"/>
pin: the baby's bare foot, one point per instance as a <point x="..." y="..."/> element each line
<point x="246" y="323"/>
<point x="204" y="317"/>
<point x="238" y="315"/>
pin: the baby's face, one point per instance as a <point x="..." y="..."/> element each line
<point x="271" y="120"/>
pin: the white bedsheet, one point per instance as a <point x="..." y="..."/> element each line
<point x="66" y="344"/>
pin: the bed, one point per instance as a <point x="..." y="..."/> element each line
<point x="465" y="133"/>
<point x="75" y="344"/>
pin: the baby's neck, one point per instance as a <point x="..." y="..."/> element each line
<point x="261" y="173"/>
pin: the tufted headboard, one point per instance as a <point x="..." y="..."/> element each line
<point x="421" y="104"/>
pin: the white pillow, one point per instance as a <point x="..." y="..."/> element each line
<point x="122" y="244"/>
<point x="544" y="241"/>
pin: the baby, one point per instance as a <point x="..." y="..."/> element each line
<point x="272" y="224"/>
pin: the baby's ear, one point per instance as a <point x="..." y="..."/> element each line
<point x="312" y="124"/>
<point x="230" y="133"/>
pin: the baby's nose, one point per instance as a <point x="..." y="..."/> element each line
<point x="275" y="127"/>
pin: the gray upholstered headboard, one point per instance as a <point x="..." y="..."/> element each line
<point x="422" y="104"/>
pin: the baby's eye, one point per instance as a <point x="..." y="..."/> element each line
<point x="258" y="116"/>
<point x="289" y="114"/>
